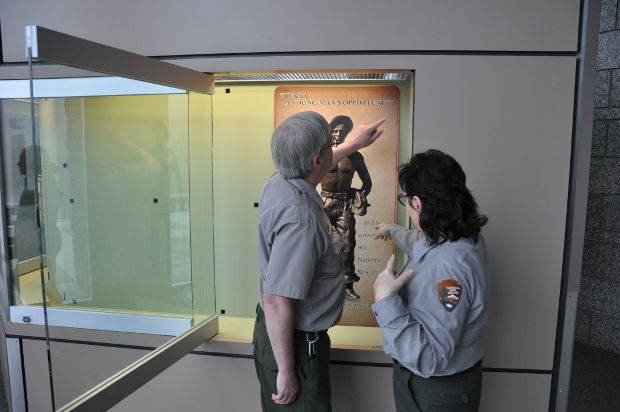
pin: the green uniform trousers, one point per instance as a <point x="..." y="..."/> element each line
<point x="313" y="374"/>
<point x="455" y="393"/>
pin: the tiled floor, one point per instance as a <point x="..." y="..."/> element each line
<point x="594" y="380"/>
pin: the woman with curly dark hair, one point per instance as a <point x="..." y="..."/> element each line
<point x="433" y="314"/>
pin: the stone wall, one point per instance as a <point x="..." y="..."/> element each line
<point x="598" y="317"/>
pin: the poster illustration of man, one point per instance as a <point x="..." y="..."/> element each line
<point x="343" y="202"/>
<point x="360" y="191"/>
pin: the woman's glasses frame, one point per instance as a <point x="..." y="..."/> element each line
<point x="403" y="199"/>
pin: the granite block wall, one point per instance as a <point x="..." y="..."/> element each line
<point x="598" y="315"/>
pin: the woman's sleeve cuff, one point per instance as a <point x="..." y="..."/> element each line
<point x="388" y="309"/>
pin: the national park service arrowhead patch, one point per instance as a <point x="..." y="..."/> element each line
<point x="449" y="292"/>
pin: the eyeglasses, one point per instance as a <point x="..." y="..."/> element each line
<point x="402" y="199"/>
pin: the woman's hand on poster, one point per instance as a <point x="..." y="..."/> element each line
<point x="366" y="135"/>
<point x="387" y="284"/>
<point x="382" y="232"/>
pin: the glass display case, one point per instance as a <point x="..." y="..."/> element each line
<point x="148" y="194"/>
<point x="131" y="201"/>
<point x="109" y="166"/>
<point x="107" y="197"/>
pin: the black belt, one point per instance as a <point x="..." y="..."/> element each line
<point x="398" y="365"/>
<point x="304" y="332"/>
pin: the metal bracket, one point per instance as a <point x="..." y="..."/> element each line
<point x="93" y="319"/>
<point x="16" y="377"/>
<point x="31" y="41"/>
<point x="60" y="48"/>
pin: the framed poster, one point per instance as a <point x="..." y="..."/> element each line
<point x="361" y="191"/>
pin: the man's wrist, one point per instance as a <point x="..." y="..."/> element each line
<point x="350" y="145"/>
<point x="355" y="146"/>
<point x="287" y="372"/>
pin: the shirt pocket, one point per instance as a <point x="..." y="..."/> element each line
<point x="331" y="262"/>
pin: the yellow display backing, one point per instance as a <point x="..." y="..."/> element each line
<point x="235" y="329"/>
<point x="243" y="120"/>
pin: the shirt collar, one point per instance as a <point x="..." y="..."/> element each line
<point x="420" y="248"/>
<point x="304" y="187"/>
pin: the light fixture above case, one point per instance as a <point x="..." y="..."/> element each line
<point x="312" y="76"/>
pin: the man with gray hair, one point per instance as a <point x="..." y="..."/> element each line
<point x="301" y="285"/>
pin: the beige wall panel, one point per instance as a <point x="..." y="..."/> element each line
<point x="362" y="388"/>
<point x="229" y="385"/>
<point x="208" y="383"/>
<point x="515" y="392"/>
<point x="199" y="383"/>
<point x="357" y="388"/>
<point x="76" y="368"/>
<point x="159" y="27"/>
<point x="4" y="363"/>
<point x="188" y="385"/>
<point x="36" y="375"/>
<point x="510" y="125"/>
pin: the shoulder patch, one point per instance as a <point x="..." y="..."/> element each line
<point x="449" y="292"/>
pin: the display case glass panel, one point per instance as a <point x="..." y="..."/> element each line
<point x="109" y="167"/>
<point x="99" y="170"/>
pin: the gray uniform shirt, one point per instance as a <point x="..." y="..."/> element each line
<point x="433" y="326"/>
<point x="299" y="253"/>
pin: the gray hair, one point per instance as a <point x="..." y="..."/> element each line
<point x="296" y="142"/>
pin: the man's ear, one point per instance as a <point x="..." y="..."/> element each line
<point x="316" y="161"/>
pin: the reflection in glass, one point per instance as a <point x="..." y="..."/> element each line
<point x="20" y="181"/>
<point x="115" y="201"/>
<point x="114" y="197"/>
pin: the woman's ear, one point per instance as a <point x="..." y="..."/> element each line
<point x="416" y="204"/>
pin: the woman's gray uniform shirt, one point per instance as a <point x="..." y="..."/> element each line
<point x="299" y="253"/>
<point x="433" y="326"/>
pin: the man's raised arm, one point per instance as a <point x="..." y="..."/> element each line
<point x="364" y="136"/>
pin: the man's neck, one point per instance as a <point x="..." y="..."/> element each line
<point x="313" y="180"/>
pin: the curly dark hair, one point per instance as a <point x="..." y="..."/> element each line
<point x="449" y="211"/>
<point x="342" y="119"/>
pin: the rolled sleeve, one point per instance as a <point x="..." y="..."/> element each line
<point x="295" y="251"/>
